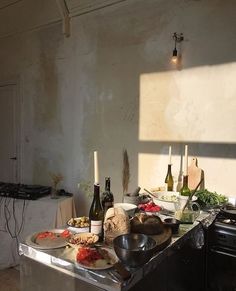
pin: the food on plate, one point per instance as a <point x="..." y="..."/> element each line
<point x="52" y="238"/>
<point x="169" y="198"/>
<point x="147" y="224"/>
<point x="94" y="257"/>
<point x="83" y="239"/>
<point x="46" y="234"/>
<point x="79" y="222"/>
<point x="149" y="207"/>
<point x="53" y="235"/>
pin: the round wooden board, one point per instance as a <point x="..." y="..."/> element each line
<point x="163" y="239"/>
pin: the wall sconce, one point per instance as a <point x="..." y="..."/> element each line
<point x="177" y="39"/>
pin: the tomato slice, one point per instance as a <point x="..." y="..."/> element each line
<point x="65" y="233"/>
<point x="46" y="234"/>
<point x="86" y="255"/>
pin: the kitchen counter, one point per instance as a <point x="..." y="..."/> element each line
<point x="60" y="263"/>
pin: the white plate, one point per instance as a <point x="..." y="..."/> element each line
<point x="47" y="244"/>
<point x="103" y="267"/>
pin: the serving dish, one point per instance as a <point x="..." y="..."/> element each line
<point x="48" y="239"/>
<point x="78" y="224"/>
<point x="99" y="258"/>
<point x="79" y="240"/>
<point x="166" y="199"/>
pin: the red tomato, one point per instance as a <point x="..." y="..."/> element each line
<point x="46" y="234"/>
<point x="88" y="255"/>
<point x="65" y="233"/>
<point x="150" y="207"/>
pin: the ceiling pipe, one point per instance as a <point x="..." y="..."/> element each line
<point x="65" y="17"/>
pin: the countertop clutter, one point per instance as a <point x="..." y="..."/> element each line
<point x="61" y="262"/>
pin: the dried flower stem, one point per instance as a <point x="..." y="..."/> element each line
<point x="126" y="172"/>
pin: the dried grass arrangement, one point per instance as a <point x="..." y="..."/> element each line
<point x="125" y="172"/>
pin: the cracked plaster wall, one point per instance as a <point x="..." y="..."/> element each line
<point x="111" y="86"/>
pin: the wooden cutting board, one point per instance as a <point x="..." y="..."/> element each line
<point x="195" y="175"/>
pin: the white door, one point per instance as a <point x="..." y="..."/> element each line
<point x="9" y="134"/>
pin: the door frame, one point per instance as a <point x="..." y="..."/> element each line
<point x="17" y="122"/>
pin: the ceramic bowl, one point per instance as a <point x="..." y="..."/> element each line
<point x="173" y="224"/>
<point x="78" y="224"/>
<point x="128" y="207"/>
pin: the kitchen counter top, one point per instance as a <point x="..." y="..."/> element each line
<point x="63" y="259"/>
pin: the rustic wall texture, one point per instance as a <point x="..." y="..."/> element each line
<point x="111" y="86"/>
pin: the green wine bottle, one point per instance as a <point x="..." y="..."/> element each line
<point x="107" y="196"/>
<point x="169" y="179"/>
<point x="185" y="191"/>
<point x="96" y="214"/>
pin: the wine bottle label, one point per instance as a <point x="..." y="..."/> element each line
<point x="96" y="226"/>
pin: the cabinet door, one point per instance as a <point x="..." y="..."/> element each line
<point x="186" y="267"/>
<point x="155" y="280"/>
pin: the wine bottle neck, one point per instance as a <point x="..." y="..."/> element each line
<point x="169" y="168"/>
<point x="108" y="184"/>
<point x="185" y="181"/>
<point x="96" y="191"/>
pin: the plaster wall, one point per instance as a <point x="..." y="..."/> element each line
<point x="111" y="86"/>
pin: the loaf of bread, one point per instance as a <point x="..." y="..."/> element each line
<point x="147" y="224"/>
<point x="116" y="222"/>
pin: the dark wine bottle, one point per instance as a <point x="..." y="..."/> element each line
<point x="96" y="214"/>
<point x="169" y="179"/>
<point x="107" y="196"/>
<point x="185" y="191"/>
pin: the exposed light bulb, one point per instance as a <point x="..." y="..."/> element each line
<point x="174" y="58"/>
<point x="178" y="38"/>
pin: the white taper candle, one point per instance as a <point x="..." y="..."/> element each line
<point x="186" y="161"/>
<point x="169" y="155"/>
<point x="96" y="174"/>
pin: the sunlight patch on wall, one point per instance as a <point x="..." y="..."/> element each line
<point x="196" y="104"/>
<point x="152" y="170"/>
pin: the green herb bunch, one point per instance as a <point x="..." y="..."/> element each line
<point x="207" y="198"/>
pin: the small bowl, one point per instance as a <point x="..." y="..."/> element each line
<point x="78" y="224"/>
<point x="134" y="249"/>
<point x="79" y="240"/>
<point x="173" y="223"/>
<point x="128" y="207"/>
